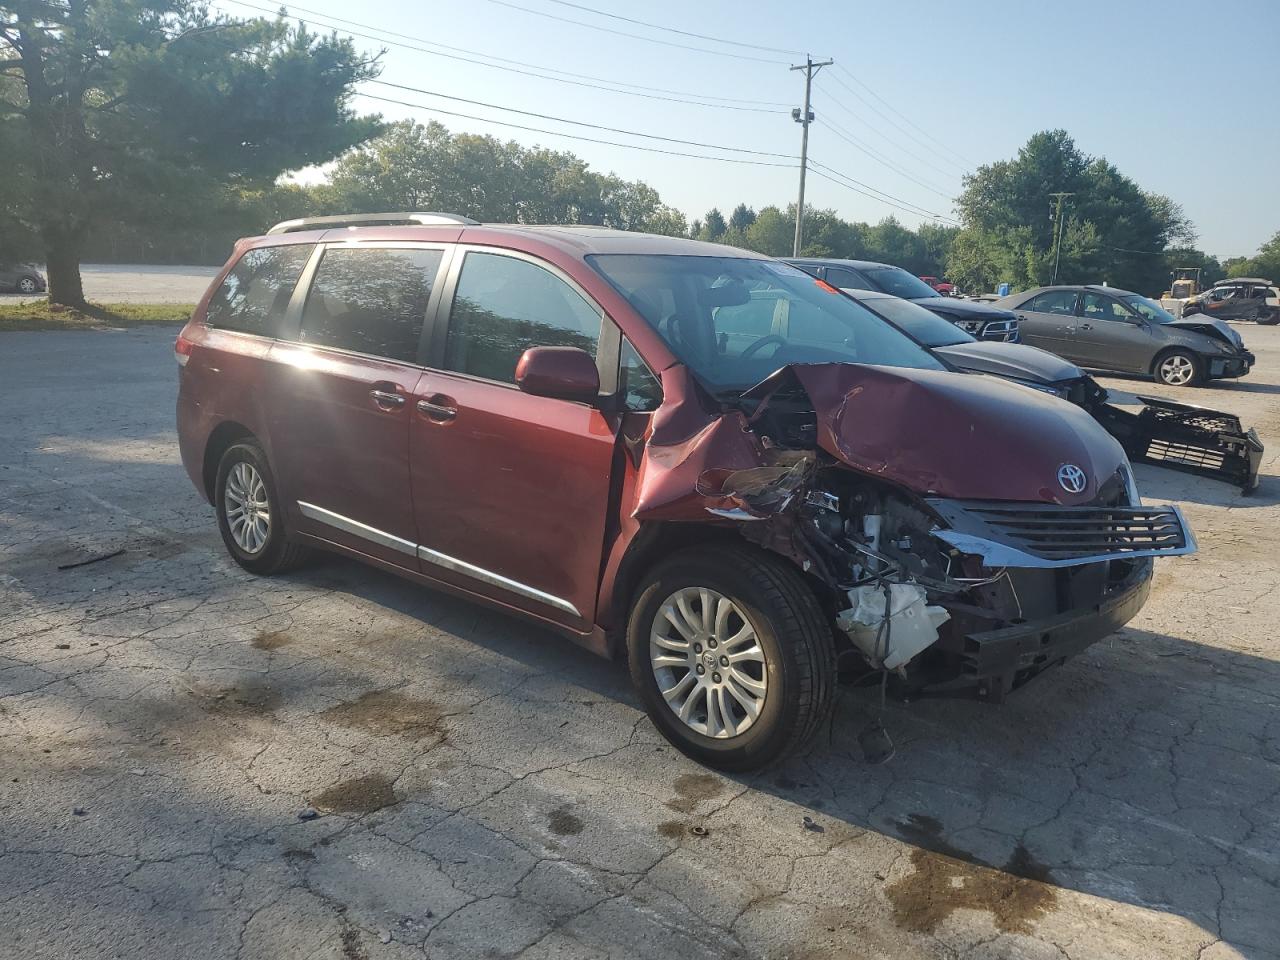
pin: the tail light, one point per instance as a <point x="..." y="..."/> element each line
<point x="182" y="350"/>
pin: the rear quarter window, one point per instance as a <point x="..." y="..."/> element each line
<point x="254" y="295"/>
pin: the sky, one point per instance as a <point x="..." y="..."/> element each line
<point x="920" y="93"/>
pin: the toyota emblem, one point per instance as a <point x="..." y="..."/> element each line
<point x="1071" y="478"/>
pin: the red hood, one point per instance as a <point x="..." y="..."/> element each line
<point x="955" y="435"/>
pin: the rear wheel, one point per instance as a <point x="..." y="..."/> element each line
<point x="250" y="517"/>
<point x="1178" y="368"/>
<point x="28" y="285"/>
<point x="1269" y="318"/>
<point x="732" y="656"/>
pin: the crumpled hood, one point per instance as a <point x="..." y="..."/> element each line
<point x="1011" y="360"/>
<point x="970" y="309"/>
<point x="967" y="437"/>
<point x="1210" y="326"/>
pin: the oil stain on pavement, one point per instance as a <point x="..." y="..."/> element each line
<point x="947" y="879"/>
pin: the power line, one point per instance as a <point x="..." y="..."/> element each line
<point x="892" y="122"/>
<point x="844" y="135"/>
<point x="633" y="36"/>
<point x="648" y="93"/>
<point x="572" y="136"/>
<point x="897" y="146"/>
<point x="904" y="205"/>
<point x="579" y="123"/>
<point x="955" y="153"/>
<point x="683" y="33"/>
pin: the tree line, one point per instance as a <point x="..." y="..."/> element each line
<point x="155" y="131"/>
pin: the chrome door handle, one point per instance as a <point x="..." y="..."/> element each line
<point x="381" y="397"/>
<point x="437" y="411"/>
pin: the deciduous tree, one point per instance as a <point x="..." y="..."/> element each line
<point x="122" y="109"/>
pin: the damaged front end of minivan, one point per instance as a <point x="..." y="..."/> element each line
<point x="961" y="538"/>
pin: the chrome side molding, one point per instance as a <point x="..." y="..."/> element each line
<point x="392" y="542"/>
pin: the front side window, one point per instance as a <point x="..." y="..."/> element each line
<point x="1148" y="309"/>
<point x="847" y="279"/>
<point x="506" y="305"/>
<point x="641" y="389"/>
<point x="1094" y="306"/>
<point x="734" y="320"/>
<point x="1062" y="302"/>
<point x="371" y="300"/>
<point x="255" y="294"/>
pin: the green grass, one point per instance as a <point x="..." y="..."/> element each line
<point x="42" y="315"/>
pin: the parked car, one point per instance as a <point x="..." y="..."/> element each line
<point x="944" y="287"/>
<point x="983" y="321"/>
<point x="1103" y="328"/>
<point x="1174" y="435"/>
<point x="1245" y="298"/>
<point x="701" y="459"/>
<point x="21" y="278"/>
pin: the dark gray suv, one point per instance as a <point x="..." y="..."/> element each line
<point x="1103" y="328"/>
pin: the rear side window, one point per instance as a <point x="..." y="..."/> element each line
<point x="1055" y="301"/>
<point x="371" y="301"/>
<point x="254" y="295"/>
<point x="504" y="306"/>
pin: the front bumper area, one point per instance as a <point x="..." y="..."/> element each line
<point x="994" y="662"/>
<point x="1231" y="367"/>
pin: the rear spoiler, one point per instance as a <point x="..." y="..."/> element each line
<point x="1188" y="438"/>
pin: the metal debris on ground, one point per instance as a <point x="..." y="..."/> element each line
<point x="89" y="560"/>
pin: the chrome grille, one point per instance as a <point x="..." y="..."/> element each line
<point x="1045" y="535"/>
<point x="1001" y="331"/>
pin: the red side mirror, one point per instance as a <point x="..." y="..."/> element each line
<point x="566" y="373"/>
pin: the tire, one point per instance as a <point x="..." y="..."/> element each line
<point x="28" y="285"/>
<point x="1269" y="318"/>
<point x="267" y="549"/>
<point x="796" y="656"/>
<point x="1178" y="368"/>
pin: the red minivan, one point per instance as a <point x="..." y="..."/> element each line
<point x="689" y="455"/>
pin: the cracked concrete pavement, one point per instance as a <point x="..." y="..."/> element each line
<point x="481" y="788"/>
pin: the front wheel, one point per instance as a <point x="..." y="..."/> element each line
<point x="1178" y="368"/>
<point x="28" y="285"/>
<point x="732" y="656"/>
<point x="250" y="517"/>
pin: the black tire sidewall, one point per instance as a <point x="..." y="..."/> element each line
<point x="774" y="728"/>
<point x="269" y="558"/>
<point x="1197" y="364"/>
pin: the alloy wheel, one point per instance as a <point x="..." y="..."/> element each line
<point x="247" y="507"/>
<point x="1177" y="370"/>
<point x="27" y="285"/>
<point x="708" y="662"/>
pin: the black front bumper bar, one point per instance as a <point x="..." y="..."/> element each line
<point x="1002" y="659"/>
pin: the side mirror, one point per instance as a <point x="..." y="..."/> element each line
<point x="565" y="373"/>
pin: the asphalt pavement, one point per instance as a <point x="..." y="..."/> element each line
<point x="340" y="764"/>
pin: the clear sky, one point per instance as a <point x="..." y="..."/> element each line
<point x="1181" y="96"/>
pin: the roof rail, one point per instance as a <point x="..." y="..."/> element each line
<point x="370" y="220"/>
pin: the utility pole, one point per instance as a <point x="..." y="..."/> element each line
<point x="1057" y="238"/>
<point x="804" y="117"/>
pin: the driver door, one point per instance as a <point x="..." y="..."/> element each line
<point x="1110" y="336"/>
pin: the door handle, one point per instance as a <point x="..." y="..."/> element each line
<point x="439" y="412"/>
<point x="386" y="398"/>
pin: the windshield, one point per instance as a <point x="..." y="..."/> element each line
<point x="735" y="320"/>
<point x="927" y="327"/>
<point x="898" y="282"/>
<point x="1147" y="309"/>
